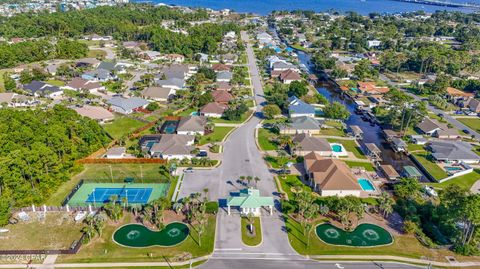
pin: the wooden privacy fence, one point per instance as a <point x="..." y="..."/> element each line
<point x="124" y="160"/>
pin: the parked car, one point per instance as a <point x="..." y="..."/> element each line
<point x="430" y="191"/>
<point x="202" y="153"/>
<point x="466" y="131"/>
<point x="188" y="170"/>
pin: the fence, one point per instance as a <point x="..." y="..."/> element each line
<point x="72" y="192"/>
<point x="124" y="160"/>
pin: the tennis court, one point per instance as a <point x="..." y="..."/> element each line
<point x="133" y="195"/>
<point x="136" y="193"/>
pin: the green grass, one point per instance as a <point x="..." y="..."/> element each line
<point x="251" y="240"/>
<point x="122" y="126"/>
<point x="264" y="136"/>
<point x="403" y="245"/>
<point x="465" y="181"/>
<point x="171" y="189"/>
<point x="275" y="161"/>
<point x="149" y="171"/>
<point x="218" y="135"/>
<point x="96" y="54"/>
<point x="2" y="81"/>
<point x="243" y="118"/>
<point x="187" y="112"/>
<point x="55" y="82"/>
<point x="105" y="250"/>
<point x="414" y="147"/>
<point x="473" y="123"/>
<point x="333" y="132"/>
<point x="350" y="145"/>
<point x="290" y="181"/>
<point x="57" y="231"/>
<point x="433" y="169"/>
<point x="367" y="166"/>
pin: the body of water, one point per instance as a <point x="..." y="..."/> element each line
<point x="264" y="7"/>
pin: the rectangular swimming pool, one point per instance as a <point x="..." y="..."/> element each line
<point x="452" y="168"/>
<point x="366" y="184"/>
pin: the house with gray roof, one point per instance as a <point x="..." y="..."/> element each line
<point x="192" y="125"/>
<point x="453" y="151"/>
<point x="305" y="143"/>
<point x="10" y="99"/>
<point x="42" y="89"/>
<point x="115" y="153"/>
<point x="302" y="124"/>
<point x="298" y="108"/>
<point x="127" y="105"/>
<point x="172" y="83"/>
<point x="173" y="146"/>
<point x="161" y="94"/>
<point x="224" y="76"/>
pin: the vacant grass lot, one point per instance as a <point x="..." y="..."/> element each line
<point x="55" y="82"/>
<point x="264" y="136"/>
<point x="473" y="123"/>
<point x="350" y="145"/>
<point x="436" y="171"/>
<point x="150" y="173"/>
<point x="218" y="135"/>
<point x="57" y="231"/>
<point x="122" y="126"/>
<point x="251" y="240"/>
<point x="290" y="181"/>
<point x="96" y="54"/>
<point x="465" y="181"/>
<point x="105" y="250"/>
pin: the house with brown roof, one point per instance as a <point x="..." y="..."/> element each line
<point x="173" y="146"/>
<point x="289" y="76"/>
<point x="10" y="99"/>
<point x="221" y="67"/>
<point x="192" y="125"/>
<point x="97" y="113"/>
<point x="455" y="95"/>
<point x="213" y="109"/>
<point x="371" y="88"/>
<point x="222" y="97"/>
<point x="78" y="84"/>
<point x="161" y="94"/>
<point x="223" y="86"/>
<point x="330" y="177"/>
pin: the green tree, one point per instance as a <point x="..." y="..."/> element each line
<point x="270" y="111"/>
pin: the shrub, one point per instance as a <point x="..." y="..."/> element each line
<point x="211" y="207"/>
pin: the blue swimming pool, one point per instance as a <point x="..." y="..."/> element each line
<point x="366" y="184"/>
<point x="452" y="168"/>
<point x="336" y="148"/>
<point x="169" y="127"/>
<point x="195" y="113"/>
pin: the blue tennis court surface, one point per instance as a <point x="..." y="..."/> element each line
<point x="133" y="195"/>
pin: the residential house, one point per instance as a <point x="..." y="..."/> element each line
<point x="373" y="43"/>
<point x="97" y="113"/>
<point x="302" y="124"/>
<point x="298" y="108"/>
<point x="127" y="105"/>
<point x="229" y="58"/>
<point x="10" y="99"/>
<point x="223" y="86"/>
<point x="453" y="151"/>
<point x="371" y="88"/>
<point x="115" y="153"/>
<point x="78" y="84"/>
<point x="98" y="74"/>
<point x="330" y="177"/>
<point x="192" y="125"/>
<point x="221" y="67"/>
<point x="161" y="94"/>
<point x="174" y="58"/>
<point x="222" y="97"/>
<point x="173" y="146"/>
<point x="87" y="62"/>
<point x="224" y="76"/>
<point x="473" y="104"/>
<point x="305" y="143"/>
<point x="149" y="55"/>
<point x="264" y="39"/>
<point x="213" y="110"/>
<point x="42" y="89"/>
<point x="289" y="76"/>
<point x="456" y="95"/>
<point x="172" y="83"/>
<point x="435" y="128"/>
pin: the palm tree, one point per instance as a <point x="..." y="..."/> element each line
<point x="324" y="210"/>
<point x="256" y="179"/>
<point x="249" y="179"/>
<point x="385" y="204"/>
<point x="178" y="207"/>
<point x="205" y="193"/>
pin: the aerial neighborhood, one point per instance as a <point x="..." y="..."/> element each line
<point x="143" y="134"/>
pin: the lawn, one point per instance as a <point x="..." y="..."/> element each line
<point x="275" y="161"/>
<point x="105" y="250"/>
<point x="403" y="245"/>
<point x="290" y="181"/>
<point x="122" y="126"/>
<point x="465" y="181"/>
<point x="264" y="136"/>
<point x="55" y="82"/>
<point x="414" y="147"/>
<point x="58" y="231"/>
<point x="332" y="131"/>
<point x="433" y="169"/>
<point x="473" y="123"/>
<point x="101" y="172"/>
<point x="251" y="240"/>
<point x="218" y="135"/>
<point x="243" y="118"/>
<point x="96" y="54"/>
<point x="350" y="145"/>
<point x="367" y="166"/>
<point x="2" y="85"/>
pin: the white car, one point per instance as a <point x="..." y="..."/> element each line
<point x="430" y="191"/>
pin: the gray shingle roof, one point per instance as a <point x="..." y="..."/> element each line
<point x="311" y="143"/>
<point x="298" y="106"/>
<point x="452" y="150"/>
<point x="127" y="104"/>
<point x="303" y="123"/>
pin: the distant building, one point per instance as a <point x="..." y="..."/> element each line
<point x="127" y="105"/>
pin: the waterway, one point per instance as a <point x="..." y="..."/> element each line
<point x="264" y="7"/>
<point x="371" y="134"/>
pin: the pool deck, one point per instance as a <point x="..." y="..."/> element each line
<point x="373" y="177"/>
